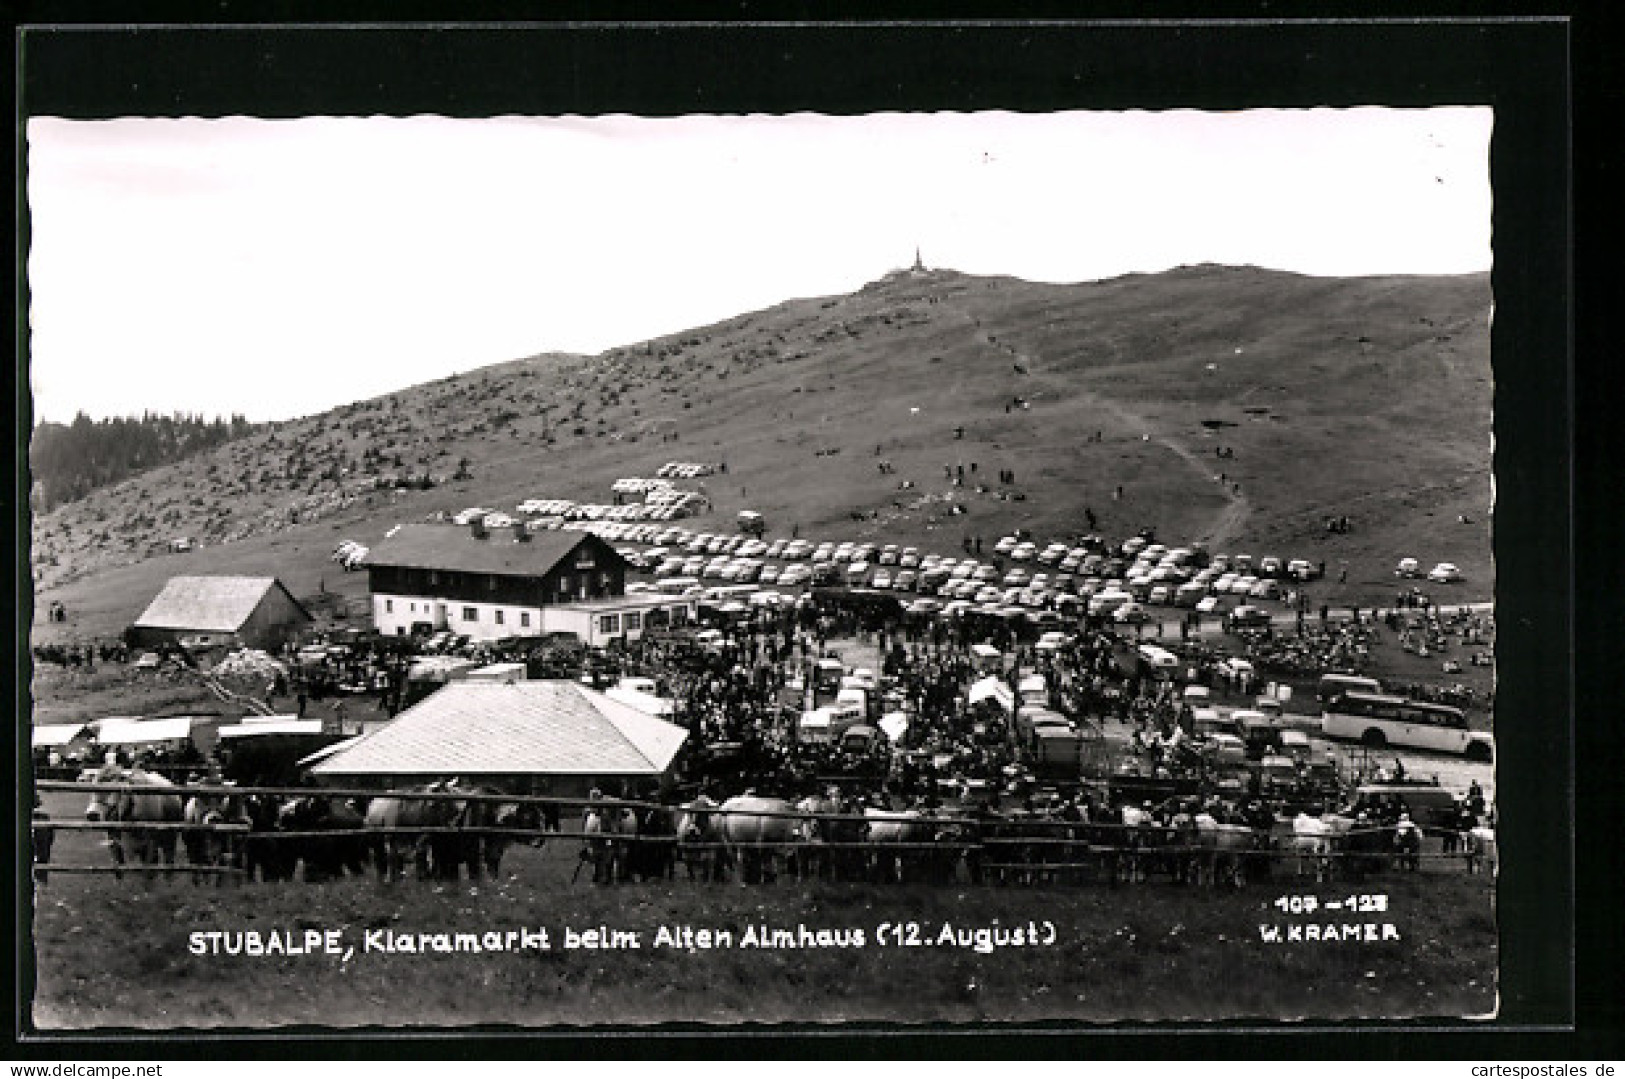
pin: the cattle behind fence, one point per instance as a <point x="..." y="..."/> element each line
<point x="1046" y="848"/>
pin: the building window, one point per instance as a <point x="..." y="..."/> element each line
<point x="491" y="583"/>
<point x="634" y="620"/>
<point x="400" y="631"/>
<point x="524" y="619"/>
<point x="389" y="606"/>
<point x="434" y="577"/>
<point x="499" y="618"/>
<point x="564" y="585"/>
<point x="604" y="579"/>
<point x="471" y="614"/>
<point x="609" y="623"/>
<point x="584" y="560"/>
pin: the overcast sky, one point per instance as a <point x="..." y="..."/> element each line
<point x="280" y="268"/>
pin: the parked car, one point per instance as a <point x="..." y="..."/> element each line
<point x="1247" y="617"/>
<point x="1131" y="614"/>
<point x="1444" y="573"/>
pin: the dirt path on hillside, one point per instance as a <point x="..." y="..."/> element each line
<point x="1225" y="526"/>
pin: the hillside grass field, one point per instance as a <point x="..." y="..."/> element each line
<point x="111" y="953"/>
<point x="1365" y="397"/>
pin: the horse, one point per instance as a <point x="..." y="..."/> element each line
<point x="952" y="840"/>
<point x="831" y="837"/>
<point x="1364" y="846"/>
<point x="389" y="846"/>
<point x="229" y="847"/>
<point x="812" y="857"/>
<point x="654" y="854"/>
<point x="608" y="830"/>
<point x="43" y="837"/>
<point x="698" y="839"/>
<point x="1311" y="843"/>
<point x="162" y="806"/>
<point x="1481" y="850"/>
<point x="342" y="846"/>
<point x="752" y="827"/>
<point x="1407" y="845"/>
<point x="472" y="846"/>
<point x="509" y="816"/>
<point x="263" y="853"/>
<point x="1135" y="835"/>
<point x="206" y="845"/>
<point x="904" y="828"/>
<point x="1224" y="848"/>
<point x="1023" y="843"/>
<point x="1186" y="854"/>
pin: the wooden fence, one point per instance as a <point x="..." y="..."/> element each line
<point x="1079" y="845"/>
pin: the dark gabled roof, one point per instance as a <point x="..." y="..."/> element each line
<point x="453" y="547"/>
<point x="211" y="604"/>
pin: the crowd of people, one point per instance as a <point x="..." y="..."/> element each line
<point x="1313" y="650"/>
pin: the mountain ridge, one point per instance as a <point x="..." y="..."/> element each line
<point x="924" y="371"/>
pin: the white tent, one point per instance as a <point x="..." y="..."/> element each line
<point x="127" y="732"/>
<point x="55" y="735"/>
<point x="815" y="726"/>
<point x="261" y="726"/>
<point x="993" y="689"/>
<point x="895" y="724"/>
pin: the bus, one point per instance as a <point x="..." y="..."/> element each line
<point x="1379" y="720"/>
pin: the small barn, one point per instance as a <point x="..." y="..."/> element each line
<point x="256" y="612"/>
<point x="549" y="736"/>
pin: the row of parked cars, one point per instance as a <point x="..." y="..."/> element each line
<point x="545" y="513"/>
<point x="1117" y="587"/>
<point x="729" y="568"/>
<point x="1443" y="573"/>
<point x="684" y="470"/>
<point x="1093" y="552"/>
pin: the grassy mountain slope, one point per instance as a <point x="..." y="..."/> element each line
<point x="1368" y="397"/>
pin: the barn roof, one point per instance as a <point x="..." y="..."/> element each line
<point x="551" y="727"/>
<point x="451" y="547"/>
<point x="210" y="604"/>
<point x="327" y="751"/>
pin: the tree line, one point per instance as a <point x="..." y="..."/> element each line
<point x="71" y="460"/>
